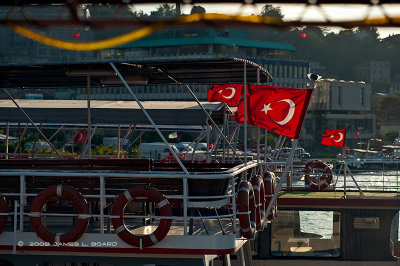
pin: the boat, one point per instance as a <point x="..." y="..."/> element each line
<point x="140" y="212"/>
<point x="374" y="157"/>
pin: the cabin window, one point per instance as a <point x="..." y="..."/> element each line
<point x="306" y="234"/>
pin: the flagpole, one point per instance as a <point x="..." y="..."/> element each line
<point x="245" y="112"/>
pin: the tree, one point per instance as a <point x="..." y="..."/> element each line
<point x="271" y="11"/>
<point x="197" y="9"/>
<point x="164" y="10"/>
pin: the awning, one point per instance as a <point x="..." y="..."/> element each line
<point x="151" y="71"/>
<point x="110" y="112"/>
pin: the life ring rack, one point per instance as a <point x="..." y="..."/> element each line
<point x="270" y="187"/>
<point x="160" y="201"/>
<point x="246" y="210"/>
<point x="323" y="180"/>
<point x="259" y="194"/>
<point x="3" y="213"/>
<point x="70" y="194"/>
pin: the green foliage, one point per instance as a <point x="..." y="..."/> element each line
<point x="271" y="11"/>
<point x="101" y="150"/>
<point x="164" y="10"/>
<point x="386" y="108"/>
<point x="197" y="9"/>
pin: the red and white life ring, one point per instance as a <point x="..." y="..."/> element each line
<point x="70" y="194"/>
<point x="148" y="193"/>
<point x="270" y="187"/>
<point x="259" y="192"/>
<point x="246" y="210"/>
<point x="3" y="213"/>
<point x="317" y="180"/>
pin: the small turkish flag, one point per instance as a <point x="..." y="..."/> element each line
<point x="211" y="146"/>
<point x="80" y="137"/>
<point x="77" y="35"/>
<point x="226" y="93"/>
<point x="303" y="35"/>
<point x="277" y="109"/>
<point x="334" y="137"/>
<point x="357" y="133"/>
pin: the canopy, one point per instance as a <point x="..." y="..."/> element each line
<point x="110" y="112"/>
<point x="151" y="71"/>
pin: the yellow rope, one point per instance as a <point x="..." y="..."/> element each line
<point x="147" y="30"/>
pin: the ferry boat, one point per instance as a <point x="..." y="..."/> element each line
<point x="140" y="212"/>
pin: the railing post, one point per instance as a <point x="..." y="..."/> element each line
<point x="102" y="201"/>
<point x="185" y="204"/>
<point x="22" y="201"/>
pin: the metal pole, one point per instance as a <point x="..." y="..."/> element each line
<point x="119" y="142"/>
<point x="150" y="119"/>
<point x="89" y="118"/>
<point x="245" y="112"/>
<point x="30" y="120"/>
<point x="279" y="186"/>
<point x="204" y="110"/>
<point x="258" y="144"/>
<point x="7" y="132"/>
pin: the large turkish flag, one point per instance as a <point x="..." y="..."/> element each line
<point x="277" y="109"/>
<point x="227" y="93"/>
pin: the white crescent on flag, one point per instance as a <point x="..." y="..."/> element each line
<point x="289" y="115"/>
<point x="233" y="91"/>
<point x="340" y="137"/>
<point x="79" y="137"/>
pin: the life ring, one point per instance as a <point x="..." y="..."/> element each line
<point x="3" y="213"/>
<point x="141" y="192"/>
<point x="259" y="192"/>
<point x="317" y="182"/>
<point x="70" y="194"/>
<point x="246" y="210"/>
<point x="270" y="187"/>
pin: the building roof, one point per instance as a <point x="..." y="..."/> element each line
<point x="143" y="71"/>
<point x="110" y="112"/>
<point x="150" y="42"/>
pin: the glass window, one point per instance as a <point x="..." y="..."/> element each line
<point x="299" y="233"/>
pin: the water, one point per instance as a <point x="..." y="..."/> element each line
<point x="310" y="221"/>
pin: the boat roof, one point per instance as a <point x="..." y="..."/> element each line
<point x="144" y="71"/>
<point x="110" y="112"/>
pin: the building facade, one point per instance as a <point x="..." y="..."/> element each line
<point x="339" y="104"/>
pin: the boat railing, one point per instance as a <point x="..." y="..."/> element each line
<point x="204" y="199"/>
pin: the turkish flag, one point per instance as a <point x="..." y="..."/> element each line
<point x="80" y="137"/>
<point x="303" y="35"/>
<point x="227" y="93"/>
<point x="77" y="35"/>
<point x="334" y="137"/>
<point x="277" y="109"/>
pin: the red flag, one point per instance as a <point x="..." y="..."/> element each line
<point x="77" y="35"/>
<point x="210" y="146"/>
<point x="303" y="35"/>
<point x="227" y="93"/>
<point x="334" y="137"/>
<point x="80" y="137"/>
<point x="277" y="109"/>
<point x="357" y="133"/>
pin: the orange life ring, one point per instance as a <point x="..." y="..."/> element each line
<point x="3" y="213"/>
<point x="270" y="187"/>
<point x="247" y="210"/>
<point x="258" y="187"/>
<point x="141" y="192"/>
<point x="317" y="182"/>
<point x="70" y="194"/>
